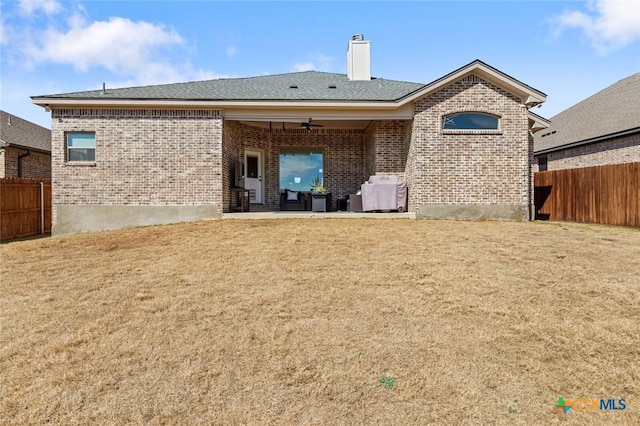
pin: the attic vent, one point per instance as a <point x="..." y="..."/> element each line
<point x="332" y="86"/>
<point x="293" y="86"/>
<point x="357" y="37"/>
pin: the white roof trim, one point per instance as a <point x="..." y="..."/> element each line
<point x="537" y="123"/>
<point x="530" y="96"/>
<point x="70" y="102"/>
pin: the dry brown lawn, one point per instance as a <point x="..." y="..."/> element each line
<point x="298" y="321"/>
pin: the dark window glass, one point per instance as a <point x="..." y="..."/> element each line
<point x="252" y="167"/>
<point x="470" y="121"/>
<point x="542" y="164"/>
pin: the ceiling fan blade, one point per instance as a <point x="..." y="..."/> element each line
<point x="309" y="124"/>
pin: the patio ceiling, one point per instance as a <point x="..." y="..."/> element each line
<point x="326" y="124"/>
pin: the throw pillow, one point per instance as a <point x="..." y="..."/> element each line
<point x="292" y="195"/>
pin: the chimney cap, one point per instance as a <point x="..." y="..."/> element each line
<point x="357" y="37"/>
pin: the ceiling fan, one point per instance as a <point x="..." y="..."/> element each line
<point x="307" y="125"/>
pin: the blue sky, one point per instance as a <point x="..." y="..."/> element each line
<point x="567" y="49"/>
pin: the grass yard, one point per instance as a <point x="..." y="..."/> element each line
<point x="328" y="321"/>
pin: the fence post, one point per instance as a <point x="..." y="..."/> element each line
<point x="41" y="208"/>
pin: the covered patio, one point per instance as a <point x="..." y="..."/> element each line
<point x="270" y="157"/>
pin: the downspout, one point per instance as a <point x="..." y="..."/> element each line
<point x="20" y="157"/>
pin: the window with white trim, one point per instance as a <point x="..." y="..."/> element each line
<point x="470" y="121"/>
<point x="81" y="147"/>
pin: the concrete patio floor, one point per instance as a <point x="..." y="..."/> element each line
<point x="316" y="215"/>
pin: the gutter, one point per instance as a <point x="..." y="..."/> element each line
<point x="4" y="144"/>
<point x="216" y="104"/>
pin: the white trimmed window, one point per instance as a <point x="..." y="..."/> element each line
<point x="81" y="147"/>
<point x="470" y="121"/>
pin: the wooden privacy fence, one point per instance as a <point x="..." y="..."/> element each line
<point x="25" y="207"/>
<point x="601" y="194"/>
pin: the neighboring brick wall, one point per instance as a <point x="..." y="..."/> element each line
<point x="478" y="168"/>
<point x="36" y="165"/>
<point x="143" y="158"/>
<point x="615" y="151"/>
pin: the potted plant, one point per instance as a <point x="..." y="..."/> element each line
<point x="317" y="187"/>
<point x="320" y="196"/>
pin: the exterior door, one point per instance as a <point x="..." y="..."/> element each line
<point x="253" y="176"/>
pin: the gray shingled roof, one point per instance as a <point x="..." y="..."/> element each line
<point x="15" y="131"/>
<point x="311" y="85"/>
<point x="611" y="111"/>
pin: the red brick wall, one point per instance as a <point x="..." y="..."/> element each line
<point x="143" y="157"/>
<point x="186" y="157"/>
<point x="386" y="145"/>
<point x="488" y="167"/>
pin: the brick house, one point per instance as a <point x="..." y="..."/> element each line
<point x="602" y="129"/>
<point x="25" y="148"/>
<point x="168" y="153"/>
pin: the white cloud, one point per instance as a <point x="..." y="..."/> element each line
<point x="609" y="24"/>
<point x="318" y="62"/>
<point x="119" y="45"/>
<point x="160" y="75"/>
<point x="49" y="7"/>
<point x="303" y="66"/>
<point x="4" y="36"/>
<point x="134" y="52"/>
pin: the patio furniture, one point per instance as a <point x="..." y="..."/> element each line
<point x="355" y="203"/>
<point x="321" y="202"/>
<point x="239" y="199"/>
<point x="295" y="200"/>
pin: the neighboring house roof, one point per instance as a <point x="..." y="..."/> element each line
<point x="312" y="89"/>
<point x="15" y="131"/>
<point x="612" y="112"/>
